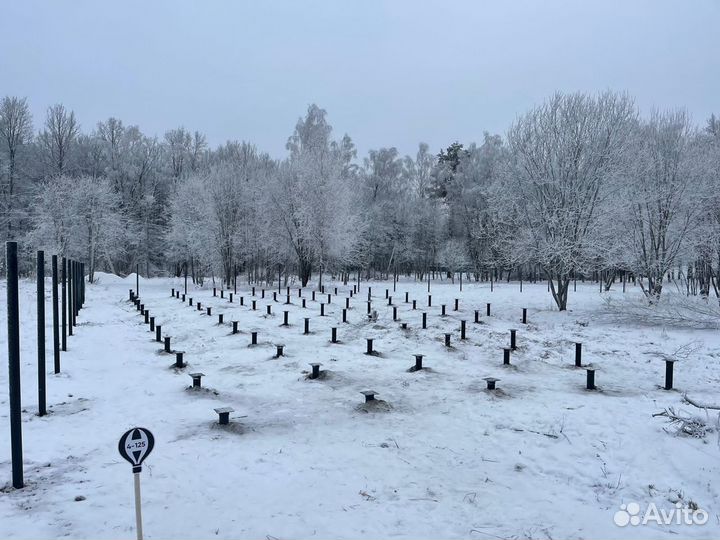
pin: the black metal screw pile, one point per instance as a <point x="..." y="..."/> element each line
<point x="370" y="350"/>
<point x="65" y="310"/>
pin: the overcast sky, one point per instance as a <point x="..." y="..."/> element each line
<point x="390" y="73"/>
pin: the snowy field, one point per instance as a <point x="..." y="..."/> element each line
<point x="541" y="457"/>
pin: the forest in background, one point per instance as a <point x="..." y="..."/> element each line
<point x="580" y="185"/>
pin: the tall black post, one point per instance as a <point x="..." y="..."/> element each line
<point x="77" y="290"/>
<point x="82" y="284"/>
<point x="73" y="300"/>
<point x="74" y="291"/>
<point x="578" y="355"/>
<point x="78" y="280"/>
<point x="80" y="288"/>
<point x="669" y="374"/>
<point x="42" y="408"/>
<point x="64" y="304"/>
<point x="13" y="322"/>
<point x="70" y="286"/>
<point x="56" y="323"/>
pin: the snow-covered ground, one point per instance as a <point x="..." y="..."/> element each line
<point x="541" y="457"/>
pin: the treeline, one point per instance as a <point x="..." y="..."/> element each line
<point x="580" y="185"/>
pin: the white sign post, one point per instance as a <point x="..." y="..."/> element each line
<point x="135" y="445"/>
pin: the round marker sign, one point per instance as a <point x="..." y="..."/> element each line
<point x="135" y="445"/>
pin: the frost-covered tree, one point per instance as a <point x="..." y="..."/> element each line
<point x="185" y="151"/>
<point x="97" y="223"/>
<point x="312" y="197"/>
<point x="472" y="218"/>
<point x="190" y="236"/>
<point x="662" y="195"/>
<point x="15" y="135"/>
<point x="425" y="214"/>
<point x="52" y="217"/>
<point x="563" y="155"/>
<point x="230" y="185"/>
<point x="419" y="171"/>
<point x="385" y="186"/>
<point x="706" y="236"/>
<point x="580" y="186"/>
<point x="448" y="161"/>
<point x="132" y="164"/>
<point x="79" y="217"/>
<point x="58" y="138"/>
<point x="214" y="209"/>
<point x="88" y="156"/>
<point x="453" y="257"/>
<point x="254" y="248"/>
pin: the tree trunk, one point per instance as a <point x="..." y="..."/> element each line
<point x="559" y="292"/>
<point x="609" y="279"/>
<point x="304" y="271"/>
